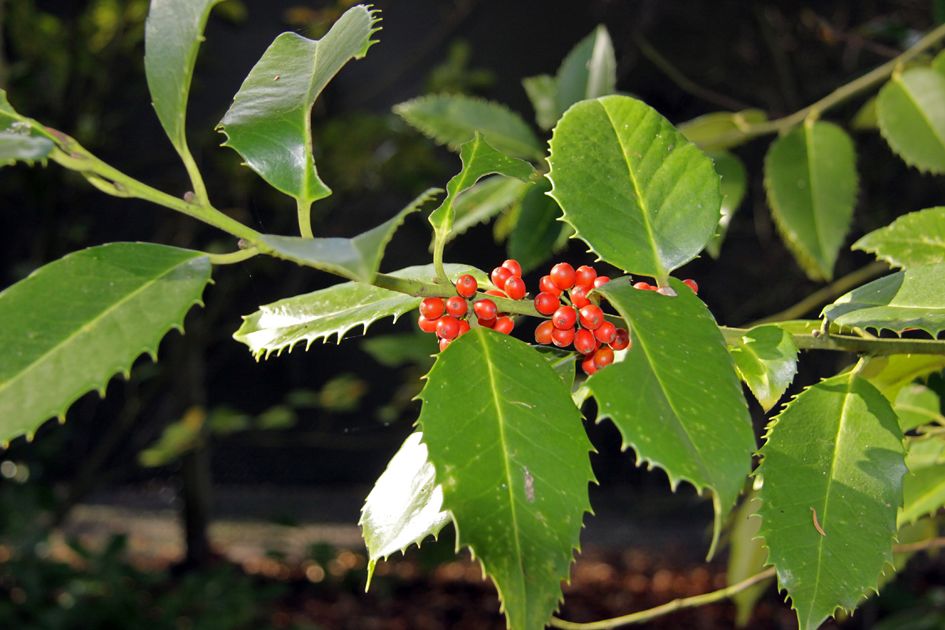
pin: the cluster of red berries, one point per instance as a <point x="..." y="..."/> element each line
<point x="581" y="322"/>
<point x="449" y="318"/>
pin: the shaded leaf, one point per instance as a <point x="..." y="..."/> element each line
<point x="405" y="505"/>
<point x="269" y="123"/>
<point x="333" y="311"/>
<point x="399" y="349"/>
<point x="512" y="458"/>
<point x="734" y="185"/>
<point x="483" y="200"/>
<point x="74" y="323"/>
<point x="890" y="374"/>
<point x="832" y="465"/>
<point x="923" y="492"/>
<point x="866" y="118"/>
<point x="588" y="71"/>
<point x="746" y="558"/>
<point x="766" y="359"/>
<point x="542" y="92"/>
<point x="454" y="120"/>
<point x="643" y="198"/>
<point x="721" y="130"/>
<point x="536" y="231"/>
<point x="914" y="298"/>
<point x="675" y="397"/>
<point x="356" y="258"/>
<point x="925" y="450"/>
<point x="917" y="405"/>
<point x="917" y="238"/>
<point x="911" y="112"/>
<point x="810" y="178"/>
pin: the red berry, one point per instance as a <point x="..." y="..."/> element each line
<point x="444" y="343"/>
<point x="621" y="340"/>
<point x="588" y="366"/>
<point x="564" y="317"/>
<point x="447" y="327"/>
<point x="606" y="333"/>
<point x="504" y="325"/>
<point x="562" y="275"/>
<point x="584" y="276"/>
<point x="512" y="265"/>
<point x="456" y="306"/>
<point x="584" y="341"/>
<point x="546" y="303"/>
<point x="485" y="309"/>
<point x="466" y="286"/>
<point x="486" y="323"/>
<point x="548" y="285"/>
<point x="562" y="337"/>
<point x="463" y="327"/>
<point x="591" y="316"/>
<point x="499" y="275"/>
<point x="603" y="357"/>
<point x="432" y="307"/>
<point x="515" y="288"/>
<point x="644" y="286"/>
<point x="578" y="296"/>
<point x="600" y="281"/>
<point x="426" y="325"/>
<point x="544" y="331"/>
<point x="496" y="293"/>
<point x="692" y="284"/>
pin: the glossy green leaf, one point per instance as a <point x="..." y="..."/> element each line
<point x="676" y="398"/>
<point x="644" y="198"/>
<point x="721" y="130"/>
<point x="866" y="118"/>
<point x="734" y="185"/>
<point x="20" y="147"/>
<point x="74" y="323"/>
<point x="172" y="36"/>
<point x="454" y="120"/>
<point x="269" y="123"/>
<point x="917" y="405"/>
<point x="917" y="238"/>
<point x="333" y="311"/>
<point x="536" y="231"/>
<point x="356" y="258"/>
<point x="914" y="298"/>
<point x="746" y="558"/>
<point x="832" y="465"/>
<point x="911" y="112"/>
<point x="541" y="92"/>
<point x="483" y="200"/>
<point x="512" y="457"/>
<point x="923" y="493"/>
<point x="766" y="359"/>
<point x="405" y="505"/>
<point x="479" y="159"/>
<point x="810" y="178"/>
<point x="588" y="71"/>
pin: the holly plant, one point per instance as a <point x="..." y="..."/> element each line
<point x="846" y="469"/>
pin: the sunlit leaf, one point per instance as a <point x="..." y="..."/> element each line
<point x="734" y="185"/>
<point x="832" y="466"/>
<point x="588" y="71"/>
<point x="766" y="359"/>
<point x="917" y="238"/>
<point x="810" y="178"/>
<point x="891" y="373"/>
<point x="917" y="405"/>
<point x="866" y="118"/>
<point x="21" y="138"/>
<point x="74" y="323"/>
<point x="923" y="493"/>
<point x="911" y="112"/>
<point x="643" y="197"/>
<point x="721" y="130"/>
<point x="269" y="123"/>
<point x="519" y="500"/>
<point x="676" y="398"/>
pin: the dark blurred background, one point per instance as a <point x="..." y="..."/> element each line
<point x="264" y="465"/>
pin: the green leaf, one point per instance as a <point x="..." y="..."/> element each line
<point x="536" y="231"/>
<point x="866" y="118"/>
<point x="766" y="359"/>
<point x="356" y="258"/>
<point x="479" y="159"/>
<point x="917" y="238"/>
<point x="588" y="71"/>
<point x="405" y="505"/>
<point x="16" y="147"/>
<point x="173" y="34"/>
<point x="924" y="450"/>
<point x="454" y="120"/>
<point x="746" y="558"/>
<point x="832" y="459"/>
<point x="269" y="123"/>
<point x="721" y="130"/>
<point x="512" y="457"/>
<point x="917" y="405"/>
<point x="483" y="200"/>
<point x="890" y="374"/>
<point x="676" y="398"/>
<point x="177" y="439"/>
<point x="914" y="298"/>
<point x="911" y="112"/>
<point x="810" y="178"/>
<point x="74" y="323"/>
<point x="541" y="92"/>
<point x="333" y="311"/>
<point x="734" y="185"/>
<point x="643" y="197"/>
<point x="923" y="492"/>
<point x="400" y="349"/>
